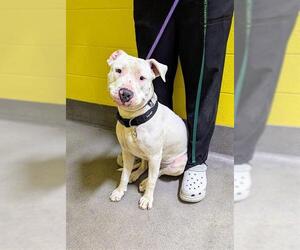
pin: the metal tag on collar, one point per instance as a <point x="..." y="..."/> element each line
<point x="134" y="133"/>
<point x="151" y="104"/>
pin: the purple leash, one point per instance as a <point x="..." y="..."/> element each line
<point x="162" y="29"/>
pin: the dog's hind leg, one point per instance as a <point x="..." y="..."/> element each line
<point x="174" y="168"/>
<point x="137" y="173"/>
<point x="165" y="171"/>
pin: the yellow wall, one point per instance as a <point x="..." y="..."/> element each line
<point x="32" y="50"/>
<point x="97" y="28"/>
<point x="32" y="62"/>
<point x="286" y="104"/>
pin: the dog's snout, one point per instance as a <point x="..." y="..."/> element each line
<point x="125" y="95"/>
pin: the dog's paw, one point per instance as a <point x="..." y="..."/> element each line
<point x="142" y="186"/>
<point x="145" y="202"/>
<point x="116" y="195"/>
<point x="134" y="176"/>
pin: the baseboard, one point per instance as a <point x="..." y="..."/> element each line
<point x="99" y="115"/>
<point x="32" y="111"/>
<point x="280" y="140"/>
<point x="104" y="116"/>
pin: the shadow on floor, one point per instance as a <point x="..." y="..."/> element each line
<point x="95" y="172"/>
<point x="44" y="174"/>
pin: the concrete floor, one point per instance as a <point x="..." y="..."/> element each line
<point x="32" y="186"/>
<point x="270" y="217"/>
<point x="93" y="222"/>
<point x="33" y="198"/>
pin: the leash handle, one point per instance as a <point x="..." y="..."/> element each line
<point x="162" y="29"/>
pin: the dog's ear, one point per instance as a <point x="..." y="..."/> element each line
<point x="158" y="69"/>
<point x="114" y="56"/>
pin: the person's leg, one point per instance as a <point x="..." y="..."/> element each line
<point x="255" y="86"/>
<point x="197" y="60"/>
<point x="202" y="53"/>
<point x="149" y="16"/>
<point x="262" y="29"/>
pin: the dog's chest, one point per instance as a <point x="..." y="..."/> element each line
<point x="134" y="140"/>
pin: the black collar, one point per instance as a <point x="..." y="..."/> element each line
<point x="136" y="121"/>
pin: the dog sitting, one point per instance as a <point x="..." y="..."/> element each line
<point x="146" y="128"/>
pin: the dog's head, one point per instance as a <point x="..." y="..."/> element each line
<point x="130" y="79"/>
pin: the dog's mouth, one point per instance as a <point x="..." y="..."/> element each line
<point x="119" y="102"/>
<point x="126" y="104"/>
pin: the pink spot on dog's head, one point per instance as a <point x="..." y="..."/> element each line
<point x="114" y="56"/>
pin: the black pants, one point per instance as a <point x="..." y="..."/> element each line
<point x="184" y="38"/>
<point x="261" y="52"/>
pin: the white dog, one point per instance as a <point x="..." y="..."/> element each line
<point x="145" y="129"/>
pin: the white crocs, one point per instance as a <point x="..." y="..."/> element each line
<point x="242" y="181"/>
<point x="193" y="187"/>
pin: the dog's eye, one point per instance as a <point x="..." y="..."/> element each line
<point x="119" y="71"/>
<point x="142" y="78"/>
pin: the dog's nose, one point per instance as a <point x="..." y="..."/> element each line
<point x="125" y="95"/>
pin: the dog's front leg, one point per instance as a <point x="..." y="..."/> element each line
<point x="128" y="162"/>
<point x="153" y="172"/>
